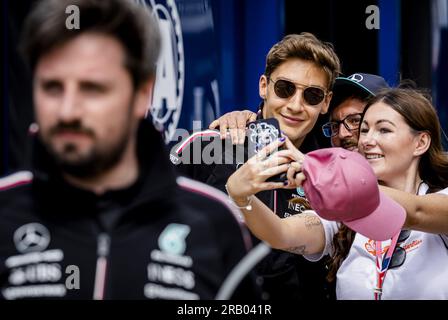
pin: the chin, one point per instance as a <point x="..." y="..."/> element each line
<point x="287" y="131"/>
<point x="353" y="148"/>
<point x="378" y="173"/>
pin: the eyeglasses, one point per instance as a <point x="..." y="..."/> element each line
<point x="350" y="122"/>
<point x="286" y="89"/>
<point x="399" y="255"/>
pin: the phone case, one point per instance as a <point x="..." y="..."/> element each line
<point x="261" y="133"/>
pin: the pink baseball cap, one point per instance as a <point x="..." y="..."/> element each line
<point x="341" y="186"/>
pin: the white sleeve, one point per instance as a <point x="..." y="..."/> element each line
<point x="330" y="229"/>
<point x="444" y="239"/>
<point x="443" y="191"/>
<point x="444" y="236"/>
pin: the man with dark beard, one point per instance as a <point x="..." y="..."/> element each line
<point x="350" y="97"/>
<point x="101" y="200"/>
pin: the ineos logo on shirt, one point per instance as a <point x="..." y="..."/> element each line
<point x="31" y="237"/>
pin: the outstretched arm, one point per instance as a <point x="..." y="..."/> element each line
<point x="428" y="213"/>
<point x="300" y="234"/>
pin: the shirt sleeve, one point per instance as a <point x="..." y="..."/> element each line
<point x="330" y="229"/>
<point x="444" y="236"/>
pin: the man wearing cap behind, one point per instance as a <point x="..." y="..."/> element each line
<point x="400" y="139"/>
<point x="350" y="97"/>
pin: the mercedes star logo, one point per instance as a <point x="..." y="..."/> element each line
<point x="356" y="77"/>
<point x="31" y="237"/>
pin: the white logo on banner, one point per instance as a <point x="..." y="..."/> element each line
<point x="169" y="87"/>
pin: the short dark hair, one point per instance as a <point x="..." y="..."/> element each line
<point x="307" y="47"/>
<point x="133" y="26"/>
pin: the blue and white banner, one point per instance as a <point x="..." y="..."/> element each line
<point x="186" y="88"/>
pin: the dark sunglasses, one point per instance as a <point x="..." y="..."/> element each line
<point x="399" y="255"/>
<point x="350" y="122"/>
<point x="286" y="89"/>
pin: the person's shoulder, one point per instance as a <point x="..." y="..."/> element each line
<point x="204" y="156"/>
<point x="205" y="196"/>
<point x="199" y="138"/>
<point x="15" y="183"/>
<point x="211" y="204"/>
<point x="443" y="191"/>
<point x="15" y="190"/>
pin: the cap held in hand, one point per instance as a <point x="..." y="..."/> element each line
<point x="341" y="186"/>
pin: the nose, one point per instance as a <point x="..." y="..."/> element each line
<point x="69" y="109"/>
<point x="367" y="140"/>
<point x="296" y="103"/>
<point x="344" y="132"/>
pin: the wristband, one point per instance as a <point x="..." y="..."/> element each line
<point x="247" y="206"/>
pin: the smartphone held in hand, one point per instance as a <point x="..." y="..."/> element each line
<point x="260" y="134"/>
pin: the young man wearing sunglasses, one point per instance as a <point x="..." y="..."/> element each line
<point x="295" y="89"/>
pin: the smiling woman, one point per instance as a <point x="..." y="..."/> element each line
<point x="400" y="136"/>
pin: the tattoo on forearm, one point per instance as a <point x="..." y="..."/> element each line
<point x="312" y="221"/>
<point x="297" y="250"/>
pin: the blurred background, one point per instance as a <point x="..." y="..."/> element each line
<point x="214" y="53"/>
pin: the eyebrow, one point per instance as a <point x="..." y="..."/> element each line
<point x="97" y="82"/>
<point x="381" y="121"/>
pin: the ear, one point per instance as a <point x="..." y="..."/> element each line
<point x="143" y="98"/>
<point x="263" y="87"/>
<point x="423" y="141"/>
<point x="326" y="105"/>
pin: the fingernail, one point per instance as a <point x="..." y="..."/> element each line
<point x="285" y="183"/>
<point x="282" y="139"/>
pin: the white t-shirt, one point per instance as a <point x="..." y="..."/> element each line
<point x="423" y="275"/>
